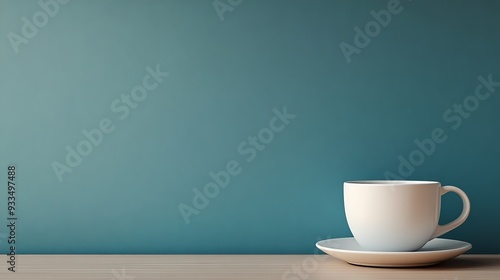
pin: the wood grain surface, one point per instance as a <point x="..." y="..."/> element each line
<point x="292" y="267"/>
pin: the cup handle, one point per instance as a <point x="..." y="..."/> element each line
<point x="440" y="230"/>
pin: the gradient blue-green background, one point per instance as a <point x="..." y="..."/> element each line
<point x="352" y="121"/>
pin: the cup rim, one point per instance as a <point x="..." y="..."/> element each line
<point x="390" y="182"/>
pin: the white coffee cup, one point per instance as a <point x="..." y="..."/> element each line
<point x="398" y="215"/>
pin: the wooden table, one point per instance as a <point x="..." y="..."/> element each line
<point x="292" y="267"/>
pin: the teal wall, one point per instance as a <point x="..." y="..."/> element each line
<point x="355" y="105"/>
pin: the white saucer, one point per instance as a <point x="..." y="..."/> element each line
<point x="435" y="251"/>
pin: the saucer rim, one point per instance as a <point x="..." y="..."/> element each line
<point x="466" y="245"/>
